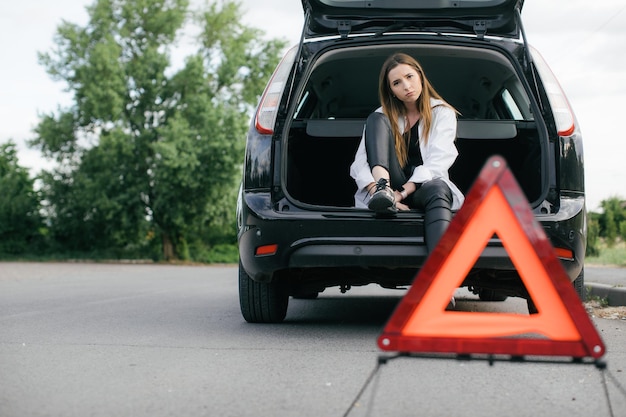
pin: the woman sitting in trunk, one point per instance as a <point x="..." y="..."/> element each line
<point x="404" y="164"/>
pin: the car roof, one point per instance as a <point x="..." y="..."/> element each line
<point x="473" y="17"/>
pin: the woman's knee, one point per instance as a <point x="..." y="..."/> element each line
<point x="437" y="192"/>
<point x="377" y="126"/>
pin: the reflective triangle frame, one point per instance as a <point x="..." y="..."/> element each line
<point x="494" y="205"/>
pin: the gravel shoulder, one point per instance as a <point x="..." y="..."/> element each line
<point x="596" y="309"/>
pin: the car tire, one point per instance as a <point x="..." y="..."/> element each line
<point x="491" y="295"/>
<point x="261" y="302"/>
<point x="579" y="285"/>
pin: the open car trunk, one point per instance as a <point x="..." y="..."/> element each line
<point x="495" y="117"/>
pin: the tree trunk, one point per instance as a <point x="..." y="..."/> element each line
<point x="168" y="248"/>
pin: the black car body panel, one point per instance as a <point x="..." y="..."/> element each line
<point x="332" y="17"/>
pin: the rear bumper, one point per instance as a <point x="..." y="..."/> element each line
<point x="354" y="238"/>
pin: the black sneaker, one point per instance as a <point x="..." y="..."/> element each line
<point x="383" y="200"/>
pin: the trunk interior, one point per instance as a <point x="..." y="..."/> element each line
<point x="495" y="118"/>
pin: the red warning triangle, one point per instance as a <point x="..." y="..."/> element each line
<point x="494" y="205"/>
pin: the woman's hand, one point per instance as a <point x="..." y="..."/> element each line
<point x="402" y="206"/>
<point x="399" y="197"/>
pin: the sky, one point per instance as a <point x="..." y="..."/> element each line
<point x="584" y="43"/>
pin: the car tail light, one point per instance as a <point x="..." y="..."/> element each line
<point x="268" y="109"/>
<point x="564" y="253"/>
<point x="266" y="250"/>
<point x="563" y="115"/>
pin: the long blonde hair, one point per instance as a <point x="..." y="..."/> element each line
<point x="394" y="109"/>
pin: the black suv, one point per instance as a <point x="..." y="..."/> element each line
<point x="298" y="229"/>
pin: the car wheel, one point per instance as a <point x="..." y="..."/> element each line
<point x="579" y="285"/>
<point x="261" y="302"/>
<point x="491" y="295"/>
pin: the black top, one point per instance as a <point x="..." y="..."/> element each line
<point x="415" y="154"/>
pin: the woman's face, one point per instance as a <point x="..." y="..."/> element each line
<point x="405" y="83"/>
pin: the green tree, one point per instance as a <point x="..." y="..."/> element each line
<point x="20" y="220"/>
<point x="147" y="150"/>
<point x="593" y="234"/>
<point x="613" y="215"/>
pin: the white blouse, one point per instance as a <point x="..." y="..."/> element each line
<point x="438" y="154"/>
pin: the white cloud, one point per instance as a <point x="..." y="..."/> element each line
<point x="278" y="18"/>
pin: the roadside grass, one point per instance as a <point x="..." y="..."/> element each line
<point x="218" y="254"/>
<point x="609" y="256"/>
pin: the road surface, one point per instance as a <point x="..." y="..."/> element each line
<point x="79" y="339"/>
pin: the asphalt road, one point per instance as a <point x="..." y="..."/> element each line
<point x="155" y="340"/>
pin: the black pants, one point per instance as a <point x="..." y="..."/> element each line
<point x="434" y="196"/>
<point x="381" y="148"/>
